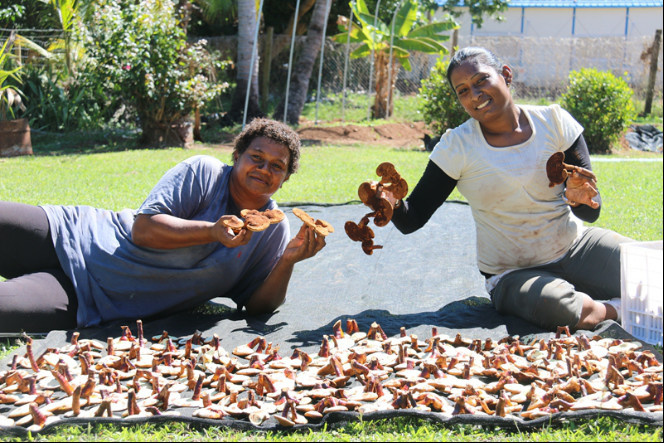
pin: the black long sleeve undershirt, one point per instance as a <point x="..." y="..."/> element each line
<point x="435" y="186"/>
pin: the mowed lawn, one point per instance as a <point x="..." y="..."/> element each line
<point x="632" y="199"/>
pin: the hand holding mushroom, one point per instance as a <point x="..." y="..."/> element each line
<point x="304" y="245"/>
<point x="309" y="240"/>
<point x="581" y="189"/>
<point x="581" y="186"/>
<point x="232" y="231"/>
<point x="382" y="197"/>
<point x="229" y="230"/>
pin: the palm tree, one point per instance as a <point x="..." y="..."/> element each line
<point x="304" y="64"/>
<point x="402" y="35"/>
<point x="245" y="44"/>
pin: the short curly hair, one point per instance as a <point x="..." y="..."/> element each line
<point x="274" y="130"/>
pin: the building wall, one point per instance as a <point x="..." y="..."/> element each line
<point x="544" y="44"/>
<point x="644" y="22"/>
<point x="566" y="22"/>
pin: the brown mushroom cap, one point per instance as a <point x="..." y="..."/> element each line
<point x="367" y="192"/>
<point x="555" y="169"/>
<point x="399" y="188"/>
<point x="387" y="172"/>
<point x="383" y="212"/>
<point x="358" y="232"/>
<point x="362" y="233"/>
<point x="321" y="226"/>
<point x="234" y="223"/>
<point x="392" y="180"/>
<point x="370" y="193"/>
<point x="255" y="220"/>
<point x="306" y="218"/>
<point x="274" y="215"/>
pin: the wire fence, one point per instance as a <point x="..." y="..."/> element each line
<point x="541" y="65"/>
<point x="46" y="38"/>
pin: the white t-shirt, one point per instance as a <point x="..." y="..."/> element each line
<point x="520" y="221"/>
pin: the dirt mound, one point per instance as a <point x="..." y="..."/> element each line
<point x="399" y="135"/>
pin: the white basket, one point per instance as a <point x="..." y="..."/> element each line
<point x="641" y="290"/>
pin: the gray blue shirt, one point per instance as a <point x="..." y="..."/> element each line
<point x="114" y="278"/>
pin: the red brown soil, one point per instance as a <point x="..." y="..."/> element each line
<point x="405" y="135"/>
<point x="398" y="135"/>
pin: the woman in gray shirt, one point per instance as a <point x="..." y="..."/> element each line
<point x="79" y="266"/>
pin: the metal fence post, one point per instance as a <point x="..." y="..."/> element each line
<point x="290" y="58"/>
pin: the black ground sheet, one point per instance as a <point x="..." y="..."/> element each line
<point x="418" y="281"/>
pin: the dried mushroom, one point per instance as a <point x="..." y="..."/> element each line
<point x="320" y="226"/>
<point x="254" y="220"/>
<point x="375" y="195"/>
<point x="557" y="171"/>
<point x="353" y="371"/>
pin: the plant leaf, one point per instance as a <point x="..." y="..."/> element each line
<point x="433" y="29"/>
<point x="405" y="18"/>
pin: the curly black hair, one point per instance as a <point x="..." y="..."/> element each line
<point x="274" y="130"/>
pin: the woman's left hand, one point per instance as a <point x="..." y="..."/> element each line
<point x="581" y="189"/>
<point x="304" y="245"/>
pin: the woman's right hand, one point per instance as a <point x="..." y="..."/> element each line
<point x="581" y="188"/>
<point x="227" y="237"/>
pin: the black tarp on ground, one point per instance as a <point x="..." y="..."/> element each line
<point x="417" y="281"/>
<point x="645" y="138"/>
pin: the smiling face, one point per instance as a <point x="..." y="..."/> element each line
<point x="482" y="90"/>
<point x="259" y="172"/>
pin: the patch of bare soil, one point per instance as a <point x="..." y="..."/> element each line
<point x="398" y="135"/>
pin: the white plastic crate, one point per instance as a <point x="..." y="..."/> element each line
<point x="641" y="290"/>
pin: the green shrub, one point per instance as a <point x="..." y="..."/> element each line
<point x="602" y="104"/>
<point x="138" y="51"/>
<point x="63" y="106"/>
<point x="438" y="101"/>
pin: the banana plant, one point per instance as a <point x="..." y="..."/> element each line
<point x="69" y="13"/>
<point x="392" y="44"/>
<point x="10" y="96"/>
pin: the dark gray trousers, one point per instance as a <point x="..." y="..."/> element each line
<point x="552" y="295"/>
<point x="37" y="295"/>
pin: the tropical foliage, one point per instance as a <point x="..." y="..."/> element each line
<point x="9" y="97"/>
<point x="602" y="103"/>
<point x="392" y="44"/>
<point x="438" y="102"/>
<point x="10" y="75"/>
<point x="139" y="52"/>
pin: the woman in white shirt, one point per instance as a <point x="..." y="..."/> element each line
<point x="540" y="262"/>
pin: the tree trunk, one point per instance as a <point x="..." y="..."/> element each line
<point x="305" y="6"/>
<point x="164" y="135"/>
<point x="383" y="88"/>
<point x="245" y="46"/>
<point x="304" y="65"/>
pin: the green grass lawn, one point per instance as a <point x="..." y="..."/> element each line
<point x="119" y="178"/>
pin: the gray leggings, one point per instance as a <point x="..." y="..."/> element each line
<point x="552" y="295"/>
<point x="38" y="296"/>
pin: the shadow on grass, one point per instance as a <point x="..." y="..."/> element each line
<point x="116" y="140"/>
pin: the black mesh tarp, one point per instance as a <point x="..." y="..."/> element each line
<point x="418" y="281"/>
